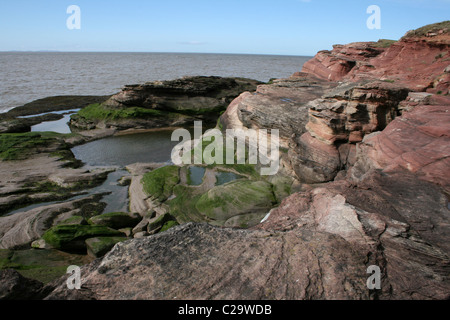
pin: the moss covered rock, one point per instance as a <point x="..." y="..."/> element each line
<point x="72" y="237"/>
<point x="97" y="247"/>
<point x="159" y="183"/>
<point x="156" y="224"/>
<point x="236" y="198"/>
<point x="74" y="220"/>
<point x="168" y="225"/>
<point x="116" y="220"/>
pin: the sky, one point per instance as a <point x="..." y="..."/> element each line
<point x="283" y="27"/>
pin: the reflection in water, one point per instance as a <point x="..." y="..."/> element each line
<point x="127" y="149"/>
<point x="59" y="126"/>
<point x="196" y="175"/>
<point x="225" y="177"/>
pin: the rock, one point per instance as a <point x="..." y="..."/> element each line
<point x="336" y="64"/>
<point x="215" y="263"/>
<point x="168" y="225"/>
<point x="313" y="160"/>
<point x="281" y="105"/>
<point x="415" y="61"/>
<point x="141" y="234"/>
<point x="142" y="225"/>
<point x="74" y="220"/>
<point x="156" y="224"/>
<point x="418" y="142"/>
<point x="351" y="111"/>
<point x="35" y="179"/>
<point x="14" y="126"/>
<point x="40" y="244"/>
<point x="21" y="229"/>
<point x="97" y="247"/>
<point x="165" y="103"/>
<point x="116" y="220"/>
<point x="72" y="237"/>
<point x="50" y="104"/>
<point x="13" y="286"/>
<point x="399" y="221"/>
<point x="226" y="203"/>
<point x="128" y="232"/>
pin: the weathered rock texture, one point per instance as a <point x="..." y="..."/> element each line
<point x="418" y="60"/>
<point x="174" y="102"/>
<point x="19" y="230"/>
<point x="281" y="105"/>
<point x="418" y="142"/>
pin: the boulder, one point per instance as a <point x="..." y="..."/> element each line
<point x="72" y="237"/>
<point x="116" y="220"/>
<point x="19" y="230"/>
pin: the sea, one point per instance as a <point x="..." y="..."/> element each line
<point x="28" y="76"/>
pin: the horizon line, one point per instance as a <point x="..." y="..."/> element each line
<point x="169" y="52"/>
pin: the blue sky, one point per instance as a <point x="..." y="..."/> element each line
<point x="288" y="27"/>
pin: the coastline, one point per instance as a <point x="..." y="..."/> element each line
<point x="363" y="181"/>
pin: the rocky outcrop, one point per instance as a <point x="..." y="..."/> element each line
<point x="337" y="121"/>
<point x="18" y="231"/>
<point x="397" y="221"/>
<point x="336" y="64"/>
<point x="281" y="105"/>
<point x="317" y="245"/>
<point x="417" y="61"/>
<point x="418" y="142"/>
<point x="165" y="103"/>
<point x="213" y="263"/>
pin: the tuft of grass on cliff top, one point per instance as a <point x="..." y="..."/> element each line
<point x="383" y="43"/>
<point x="431" y="28"/>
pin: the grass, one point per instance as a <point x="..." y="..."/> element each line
<point x="159" y="183"/>
<point x="383" y="43"/>
<point x="431" y="28"/>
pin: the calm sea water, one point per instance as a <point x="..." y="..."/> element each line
<point x="27" y="76"/>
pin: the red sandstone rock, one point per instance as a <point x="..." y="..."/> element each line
<point x="418" y="62"/>
<point x="418" y="142"/>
